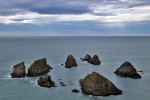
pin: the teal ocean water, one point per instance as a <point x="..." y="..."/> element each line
<point x="112" y="51"/>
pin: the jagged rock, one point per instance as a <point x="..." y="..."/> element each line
<point x="127" y="70"/>
<point x="97" y="85"/>
<point x="70" y="62"/>
<point x="95" y="60"/>
<point x="45" y="81"/>
<point x="75" y="91"/>
<point x="86" y="58"/>
<point x="39" y="67"/>
<point x="19" y="70"/>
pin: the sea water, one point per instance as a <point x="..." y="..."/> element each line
<point x="112" y="51"/>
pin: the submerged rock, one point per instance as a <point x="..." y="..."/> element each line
<point x="86" y="58"/>
<point x="95" y="60"/>
<point x="97" y="85"/>
<point x="45" y="81"/>
<point x="19" y="70"/>
<point x="70" y="62"/>
<point x="62" y="84"/>
<point x="127" y="70"/>
<point x="39" y="67"/>
<point x="75" y="91"/>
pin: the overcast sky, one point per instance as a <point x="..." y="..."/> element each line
<point x="74" y="17"/>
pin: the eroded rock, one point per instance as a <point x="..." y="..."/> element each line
<point x="127" y="70"/>
<point x="95" y="60"/>
<point x="39" y="67"/>
<point x="70" y="62"/>
<point x="19" y="70"/>
<point x="86" y="58"/>
<point x="45" y="81"/>
<point x="97" y="85"/>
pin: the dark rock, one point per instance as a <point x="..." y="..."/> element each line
<point x="86" y="58"/>
<point x="95" y="60"/>
<point x="75" y="91"/>
<point x="45" y="81"/>
<point x="62" y="64"/>
<point x="140" y="71"/>
<point x="70" y="62"/>
<point x="97" y="85"/>
<point x="62" y="84"/>
<point x="81" y="58"/>
<point x="19" y="71"/>
<point x="39" y="67"/>
<point x="127" y="70"/>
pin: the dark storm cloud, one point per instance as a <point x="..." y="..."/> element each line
<point x="9" y="7"/>
<point x="61" y="10"/>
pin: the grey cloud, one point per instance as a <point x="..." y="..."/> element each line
<point x="9" y="7"/>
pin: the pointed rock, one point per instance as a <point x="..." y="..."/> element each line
<point x="39" y="67"/>
<point x="70" y="62"/>
<point x="45" y="81"/>
<point x="18" y="70"/>
<point x="86" y="58"/>
<point x="95" y="60"/>
<point x="97" y="85"/>
<point x="127" y="70"/>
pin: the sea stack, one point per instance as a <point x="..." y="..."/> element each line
<point x="45" y="81"/>
<point x="97" y="85"/>
<point x="95" y="60"/>
<point x="127" y="70"/>
<point x="38" y="67"/>
<point x="19" y="70"/>
<point x="70" y="62"/>
<point x="86" y="58"/>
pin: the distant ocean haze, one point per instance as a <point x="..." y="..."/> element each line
<point x="112" y="52"/>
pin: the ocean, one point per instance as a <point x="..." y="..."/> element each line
<point x="112" y="51"/>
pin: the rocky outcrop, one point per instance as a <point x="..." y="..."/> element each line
<point x="127" y="70"/>
<point x="95" y="60"/>
<point x="97" y="85"/>
<point x="86" y="58"/>
<point x="39" y="67"/>
<point x="45" y="81"/>
<point x="70" y="62"/>
<point x="19" y="70"/>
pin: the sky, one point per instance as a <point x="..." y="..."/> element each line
<point x="74" y="17"/>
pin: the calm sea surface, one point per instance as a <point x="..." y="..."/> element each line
<point x="112" y="51"/>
